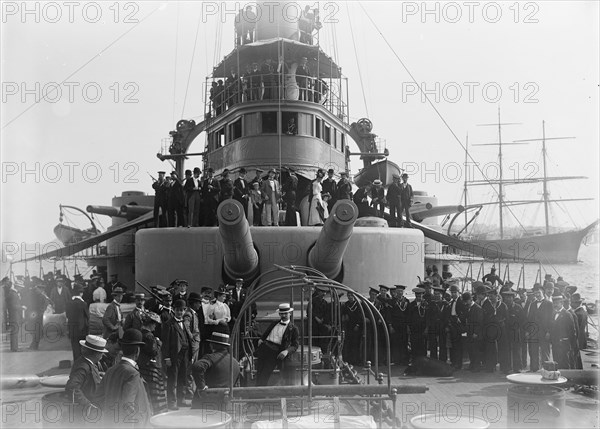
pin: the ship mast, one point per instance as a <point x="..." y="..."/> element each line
<point x="545" y="182"/>
<point x="465" y="189"/>
<point x="501" y="179"/>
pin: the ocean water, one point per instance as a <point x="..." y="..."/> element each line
<point x="584" y="274"/>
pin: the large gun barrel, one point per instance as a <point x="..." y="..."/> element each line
<point x="328" y="252"/>
<point x="105" y="210"/>
<point x="240" y="256"/>
<point x="132" y="211"/>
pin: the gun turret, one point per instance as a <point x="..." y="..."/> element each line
<point x="328" y="252"/>
<point x="105" y="210"/>
<point x="133" y="211"/>
<point x="240" y="257"/>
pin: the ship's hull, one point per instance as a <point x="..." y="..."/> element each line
<point x="382" y="170"/>
<point x="561" y="247"/>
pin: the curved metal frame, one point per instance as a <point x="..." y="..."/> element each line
<point x="299" y="273"/>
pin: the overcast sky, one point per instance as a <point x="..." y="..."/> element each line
<point x="122" y="77"/>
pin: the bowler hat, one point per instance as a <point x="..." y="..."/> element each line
<point x="400" y="287"/>
<point x="210" y="170"/>
<point x="95" y="343"/>
<point x="226" y="171"/>
<point x="454" y="288"/>
<point x="162" y="172"/>
<point x="285" y="308"/>
<point x="132" y="337"/>
<point x="330" y="171"/>
<point x="396" y="176"/>
<point x="219" y="338"/>
<point x="197" y="170"/>
<point x="576" y="297"/>
<point x="194" y="296"/>
<point x="242" y="170"/>
<point x="556" y="298"/>
<point x="140" y="296"/>
<point x="180" y="303"/>
<point x="480" y="289"/>
<point x="77" y="289"/>
<point x="404" y="174"/>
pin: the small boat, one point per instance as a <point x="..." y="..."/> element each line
<point x="70" y="235"/>
<point x="382" y="170"/>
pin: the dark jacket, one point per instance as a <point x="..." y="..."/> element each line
<point x="289" y="341"/>
<point x="538" y="319"/>
<point x="173" y="339"/>
<point x="240" y="190"/>
<point x="474" y="321"/>
<point x="214" y="370"/>
<point x="78" y="317"/>
<point x="110" y="320"/>
<point x="13" y="306"/>
<point x="211" y="193"/>
<point x="84" y="380"/>
<point x="133" y="320"/>
<point x="406" y="194"/>
<point x="60" y="300"/>
<point x="123" y="398"/>
<point x="344" y="189"/>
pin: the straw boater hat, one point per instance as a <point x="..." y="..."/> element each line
<point x="219" y="338"/>
<point x="118" y="291"/>
<point x="95" y="343"/>
<point x="150" y="317"/>
<point x="285" y="308"/>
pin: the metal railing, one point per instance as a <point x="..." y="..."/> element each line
<point x="271" y="87"/>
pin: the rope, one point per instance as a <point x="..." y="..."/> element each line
<point x="175" y="63"/>
<point x="191" y="64"/>
<point x="362" y="87"/>
<point x="98" y="55"/>
<point x="447" y="125"/>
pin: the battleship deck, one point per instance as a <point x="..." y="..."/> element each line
<point x="474" y="394"/>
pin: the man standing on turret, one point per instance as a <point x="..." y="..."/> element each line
<point x="393" y="199"/>
<point x="175" y="201"/>
<point x="406" y="198"/>
<point x="160" y="200"/>
<point x="271" y="195"/>
<point x="344" y="187"/>
<point x="193" y="188"/>
<point x="241" y="191"/>
<point x="289" y="196"/>
<point x="226" y="185"/>
<point x="210" y="195"/>
<point x="329" y="185"/>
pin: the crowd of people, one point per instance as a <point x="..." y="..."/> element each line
<point x="245" y="25"/>
<point x="267" y="80"/>
<point x="194" y="200"/>
<point x="492" y="324"/>
<point x="371" y="200"/>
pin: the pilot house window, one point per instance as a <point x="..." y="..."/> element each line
<point x="289" y="121"/>
<point x="235" y="130"/>
<point x="269" y="122"/>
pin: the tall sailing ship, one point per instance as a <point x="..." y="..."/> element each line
<point x="542" y="246"/>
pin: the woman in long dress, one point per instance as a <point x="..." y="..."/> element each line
<point x="150" y="365"/>
<point x="316" y="213"/>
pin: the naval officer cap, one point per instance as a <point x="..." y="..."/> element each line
<point x="372" y="289"/>
<point x="418" y="290"/>
<point x="400" y="287"/>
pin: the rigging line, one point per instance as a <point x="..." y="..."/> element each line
<point x="175" y="64"/>
<point x="187" y="87"/>
<point x="99" y="54"/>
<point x="434" y="108"/>
<point x="362" y="86"/>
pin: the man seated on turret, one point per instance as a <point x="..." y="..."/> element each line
<point x="160" y="200"/>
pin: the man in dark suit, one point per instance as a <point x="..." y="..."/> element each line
<point x="226" y="185"/>
<point x="78" y="319"/>
<point x="113" y="318"/>
<point x="197" y="325"/>
<point x="393" y="199"/>
<point x="84" y="378"/>
<point x="417" y="313"/>
<point x="210" y="197"/>
<point x="134" y="319"/>
<point x="175" y="202"/>
<point x="276" y="345"/>
<point x="271" y="195"/>
<point x="361" y="200"/>
<point x="436" y="334"/>
<point x="537" y="331"/>
<point x="473" y="322"/>
<point x="290" y="188"/>
<point x="406" y="198"/>
<point x="160" y="200"/>
<point x="452" y="316"/>
<point x="213" y="370"/>
<point x="398" y="325"/>
<point x="193" y="189"/>
<point x="121" y="393"/>
<point x="489" y="346"/>
<point x="60" y="295"/>
<point x="515" y="320"/>
<point x="562" y="334"/>
<point x="329" y="185"/>
<point x="177" y="355"/>
<point x="344" y="187"/>
<point x="241" y="190"/>
<point x="15" y="312"/>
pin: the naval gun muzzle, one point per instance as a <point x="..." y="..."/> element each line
<point x="328" y="252"/>
<point x="132" y="211"/>
<point x="240" y="257"/>
<point x="105" y="210"/>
